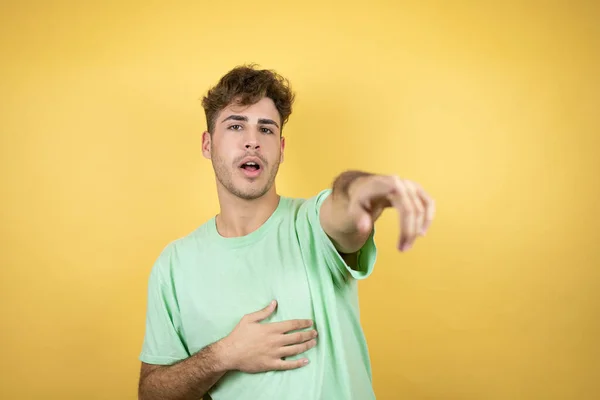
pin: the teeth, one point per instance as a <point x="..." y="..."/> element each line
<point x="251" y="163"/>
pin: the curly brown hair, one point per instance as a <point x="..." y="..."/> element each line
<point x="246" y="85"/>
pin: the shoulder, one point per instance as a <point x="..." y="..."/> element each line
<point x="182" y="251"/>
<point x="312" y="204"/>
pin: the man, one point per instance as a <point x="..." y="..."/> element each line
<point x="234" y="307"/>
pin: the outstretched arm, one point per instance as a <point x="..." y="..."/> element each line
<point x="358" y="199"/>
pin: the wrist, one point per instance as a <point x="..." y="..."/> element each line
<point x="354" y="184"/>
<point x="222" y="356"/>
<point x="347" y="181"/>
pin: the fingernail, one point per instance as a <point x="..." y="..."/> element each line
<point x="305" y="361"/>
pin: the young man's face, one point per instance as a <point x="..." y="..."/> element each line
<point x="246" y="148"/>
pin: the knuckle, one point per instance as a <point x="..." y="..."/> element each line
<point x="395" y="181"/>
<point x="283" y="365"/>
<point x="271" y="341"/>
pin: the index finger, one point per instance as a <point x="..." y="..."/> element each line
<point x="429" y="207"/>
<point x="402" y="202"/>
<point x="291" y="325"/>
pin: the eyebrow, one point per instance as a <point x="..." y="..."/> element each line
<point x="263" y="121"/>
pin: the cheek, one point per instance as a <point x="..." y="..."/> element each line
<point x="218" y="156"/>
<point x="222" y="156"/>
<point x="222" y="150"/>
<point x="274" y="146"/>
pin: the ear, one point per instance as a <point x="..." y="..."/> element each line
<point x="282" y="143"/>
<point x="206" y="141"/>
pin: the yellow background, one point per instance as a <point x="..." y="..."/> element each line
<point x="493" y="109"/>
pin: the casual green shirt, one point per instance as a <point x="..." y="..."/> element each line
<point x="203" y="284"/>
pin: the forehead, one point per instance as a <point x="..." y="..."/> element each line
<point x="265" y="108"/>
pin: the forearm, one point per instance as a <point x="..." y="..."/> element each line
<point x="190" y="379"/>
<point x="335" y="215"/>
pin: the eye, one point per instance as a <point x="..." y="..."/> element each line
<point x="235" y="127"/>
<point x="266" y="130"/>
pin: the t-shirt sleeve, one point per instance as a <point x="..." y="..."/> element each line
<point x="341" y="271"/>
<point x="163" y="343"/>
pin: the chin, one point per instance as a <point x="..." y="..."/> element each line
<point x="244" y="188"/>
<point x="250" y="194"/>
<point x="250" y="191"/>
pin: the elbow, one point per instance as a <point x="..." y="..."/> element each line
<point x="142" y="394"/>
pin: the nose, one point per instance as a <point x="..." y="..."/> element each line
<point x="251" y="140"/>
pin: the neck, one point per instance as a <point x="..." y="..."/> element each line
<point x="239" y="217"/>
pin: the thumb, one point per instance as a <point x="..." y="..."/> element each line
<point x="264" y="313"/>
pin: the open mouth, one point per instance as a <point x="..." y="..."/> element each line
<point x="250" y="166"/>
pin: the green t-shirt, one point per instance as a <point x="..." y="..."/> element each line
<point x="203" y="284"/>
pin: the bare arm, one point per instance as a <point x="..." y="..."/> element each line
<point x="190" y="379"/>
<point x="358" y="199"/>
<point x="251" y="347"/>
